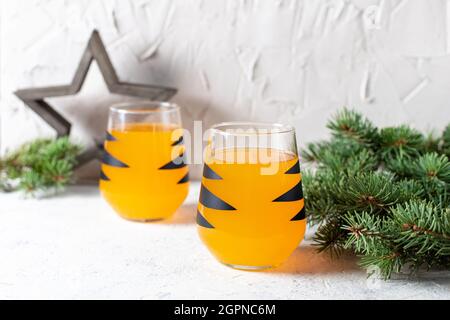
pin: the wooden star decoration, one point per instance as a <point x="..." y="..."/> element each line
<point x="34" y="98"/>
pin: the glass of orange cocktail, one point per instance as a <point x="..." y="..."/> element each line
<point x="251" y="212"/>
<point x="144" y="174"/>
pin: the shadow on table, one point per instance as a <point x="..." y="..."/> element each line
<point x="306" y="260"/>
<point x="184" y="215"/>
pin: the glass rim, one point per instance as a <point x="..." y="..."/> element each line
<point x="273" y="128"/>
<point x="144" y="107"/>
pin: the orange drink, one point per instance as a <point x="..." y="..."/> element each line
<point x="251" y="211"/>
<point x="144" y="175"/>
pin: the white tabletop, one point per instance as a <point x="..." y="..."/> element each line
<point x="75" y="247"/>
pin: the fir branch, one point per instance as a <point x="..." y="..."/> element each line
<point x="382" y="193"/>
<point x="314" y="151"/>
<point x="330" y="237"/>
<point x="431" y="170"/>
<point x="38" y="166"/>
<point x="364" y="232"/>
<point x="423" y="226"/>
<point x="400" y="142"/>
<point x="320" y="206"/>
<point x="431" y="166"/>
<point x="348" y="124"/>
<point x="410" y="189"/>
<point x="370" y="237"/>
<point x="372" y="192"/>
<point x="341" y="154"/>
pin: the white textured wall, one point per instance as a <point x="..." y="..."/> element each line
<point x="273" y="60"/>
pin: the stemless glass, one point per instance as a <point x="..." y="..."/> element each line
<point x="251" y="212"/>
<point x="144" y="173"/>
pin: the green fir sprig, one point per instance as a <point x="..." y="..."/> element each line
<point x="381" y="193"/>
<point x="39" y="166"/>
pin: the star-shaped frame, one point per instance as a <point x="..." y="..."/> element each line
<point x="34" y="98"/>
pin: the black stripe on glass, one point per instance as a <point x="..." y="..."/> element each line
<point x="295" y="169"/>
<point x="185" y="179"/>
<point x="178" y="142"/>
<point x="104" y="177"/>
<point x="202" y="222"/>
<point x="295" y="194"/>
<point x="300" y="216"/>
<point x="177" y="163"/>
<point x="211" y="201"/>
<point x="209" y="173"/>
<point x="108" y="159"/>
<point x="110" y="137"/>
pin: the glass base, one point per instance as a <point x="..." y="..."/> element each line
<point x="144" y="220"/>
<point x="249" y="268"/>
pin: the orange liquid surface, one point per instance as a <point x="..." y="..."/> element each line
<point x="143" y="191"/>
<point x="259" y="233"/>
